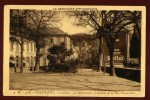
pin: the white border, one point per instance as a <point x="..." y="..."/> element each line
<point x="7" y="92"/>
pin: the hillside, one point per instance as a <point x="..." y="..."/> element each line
<point x="79" y="37"/>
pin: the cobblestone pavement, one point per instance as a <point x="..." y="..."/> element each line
<point x="84" y="79"/>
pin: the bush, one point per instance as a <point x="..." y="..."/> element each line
<point x="59" y="68"/>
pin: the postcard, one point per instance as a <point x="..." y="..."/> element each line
<point x="74" y="51"/>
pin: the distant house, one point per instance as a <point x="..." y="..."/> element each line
<point x="56" y="38"/>
<point x="84" y="54"/>
<point x="76" y="49"/>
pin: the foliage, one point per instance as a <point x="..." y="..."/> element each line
<point x="52" y="59"/>
<point x="107" y="24"/>
<point x="56" y="50"/>
<point x="135" y="47"/>
<point x="17" y="23"/>
<point x="56" y="54"/>
<point x="79" y="37"/>
<point x="35" y="25"/>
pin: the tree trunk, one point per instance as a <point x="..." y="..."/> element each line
<point x="99" y="63"/>
<point x="112" y="69"/>
<point x="37" y="63"/>
<point x="104" y="63"/>
<point x="100" y="56"/>
<point x="21" y="67"/>
<point x="20" y="29"/>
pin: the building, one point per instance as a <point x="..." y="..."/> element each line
<point x="84" y="54"/>
<point x="122" y="51"/>
<point x="29" y="54"/>
<point x="56" y="38"/>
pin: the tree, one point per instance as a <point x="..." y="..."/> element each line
<point x="108" y="25"/>
<point x="57" y="53"/>
<point x="92" y="19"/>
<point x="79" y="37"/>
<point x="38" y="23"/>
<point x="136" y="17"/>
<point x="134" y="47"/>
<point x="137" y="30"/>
<point x="17" y="22"/>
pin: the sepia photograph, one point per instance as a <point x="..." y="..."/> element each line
<point x="87" y="51"/>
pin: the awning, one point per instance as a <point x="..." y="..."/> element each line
<point x="13" y="62"/>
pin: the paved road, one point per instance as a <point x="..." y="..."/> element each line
<point x="84" y="79"/>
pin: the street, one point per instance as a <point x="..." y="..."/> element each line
<point x="84" y="79"/>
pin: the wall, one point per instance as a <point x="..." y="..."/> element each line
<point x="56" y="40"/>
<point x="131" y="74"/>
<point x="29" y="53"/>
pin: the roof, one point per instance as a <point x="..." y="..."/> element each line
<point x="55" y="31"/>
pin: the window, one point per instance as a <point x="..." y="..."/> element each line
<point x="17" y="47"/>
<point x="34" y="49"/>
<point x="11" y="46"/>
<point x="51" y="40"/>
<point x="116" y="50"/>
<point x="31" y="47"/>
<point x="11" y="59"/>
<point x="27" y="47"/>
<point x="117" y="40"/>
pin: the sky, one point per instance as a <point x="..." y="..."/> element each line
<point x="67" y="25"/>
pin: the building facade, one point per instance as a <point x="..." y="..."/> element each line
<point x="122" y="49"/>
<point x="54" y="40"/>
<point x="84" y="52"/>
<point x="58" y="37"/>
<point x="29" y="54"/>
